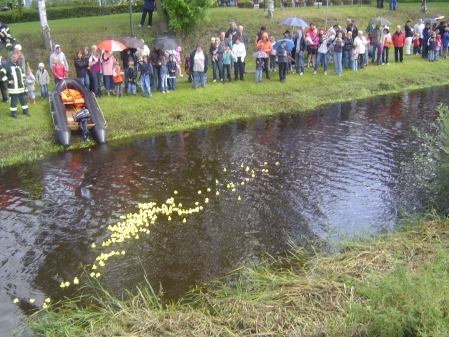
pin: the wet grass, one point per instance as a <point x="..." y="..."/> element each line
<point x="31" y="138"/>
<point x="384" y="285"/>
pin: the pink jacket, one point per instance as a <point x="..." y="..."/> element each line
<point x="107" y="63"/>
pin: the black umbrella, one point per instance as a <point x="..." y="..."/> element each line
<point x="131" y="42"/>
<point x="165" y="43"/>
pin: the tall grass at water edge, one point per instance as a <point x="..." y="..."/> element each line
<point x="28" y="139"/>
<point x="385" y="285"/>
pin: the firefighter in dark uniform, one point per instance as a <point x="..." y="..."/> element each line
<point x="6" y="37"/>
<point x="14" y="78"/>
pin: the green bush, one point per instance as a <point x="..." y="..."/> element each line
<point x="64" y="12"/>
<point x="431" y="164"/>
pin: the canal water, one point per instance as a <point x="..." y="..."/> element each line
<point x="336" y="171"/>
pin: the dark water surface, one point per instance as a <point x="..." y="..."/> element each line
<point x="339" y="173"/>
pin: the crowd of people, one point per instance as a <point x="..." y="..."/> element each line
<point x="156" y="69"/>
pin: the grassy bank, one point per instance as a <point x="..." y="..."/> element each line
<point x="30" y="138"/>
<point x="392" y="285"/>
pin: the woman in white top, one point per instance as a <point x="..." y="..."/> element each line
<point x="360" y="42"/>
<point x="198" y="66"/>
<point x="239" y="54"/>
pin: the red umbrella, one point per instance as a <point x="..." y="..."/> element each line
<point x="111" y="45"/>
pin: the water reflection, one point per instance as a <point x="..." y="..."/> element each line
<point x="340" y="172"/>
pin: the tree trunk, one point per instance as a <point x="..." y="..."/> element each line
<point x="163" y="25"/>
<point x="45" y="29"/>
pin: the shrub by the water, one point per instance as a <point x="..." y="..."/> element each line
<point x="431" y="164"/>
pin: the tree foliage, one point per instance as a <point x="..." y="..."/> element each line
<point x="432" y="163"/>
<point x="183" y="15"/>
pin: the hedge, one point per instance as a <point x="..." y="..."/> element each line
<point x="56" y="13"/>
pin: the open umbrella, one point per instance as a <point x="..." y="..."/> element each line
<point x="111" y="45"/>
<point x="430" y="20"/>
<point x="437" y="16"/>
<point x="380" y="21"/>
<point x="295" y="22"/>
<point x="260" y="54"/>
<point x="165" y="43"/>
<point x="131" y="42"/>
<point x="288" y="46"/>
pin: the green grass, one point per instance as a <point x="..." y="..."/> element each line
<point x="30" y="138"/>
<point x="386" y="285"/>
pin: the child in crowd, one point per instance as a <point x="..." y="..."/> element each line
<point x="437" y="45"/>
<point x="259" y="69"/>
<point x="177" y="57"/>
<point x="431" y="45"/>
<point x="29" y="82"/>
<point x="172" y="68"/>
<point x="58" y="70"/>
<point x="387" y="45"/>
<point x="272" y="55"/>
<point x="132" y="78"/>
<point x="164" y="74"/>
<point x="43" y="79"/>
<point x="146" y="70"/>
<point x="227" y="57"/>
<point x="229" y="43"/>
<point x="354" y="58"/>
<point x="416" y="44"/>
<point x="186" y="67"/>
<point x="117" y="78"/>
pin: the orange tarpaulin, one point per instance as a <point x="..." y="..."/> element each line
<point x="71" y="95"/>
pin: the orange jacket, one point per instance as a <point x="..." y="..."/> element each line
<point x="264" y="44"/>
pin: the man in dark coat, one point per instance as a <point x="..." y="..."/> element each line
<point x="148" y="7"/>
<point x="13" y="76"/>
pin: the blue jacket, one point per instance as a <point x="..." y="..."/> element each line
<point x="171" y="66"/>
<point x="145" y="68"/>
<point x="280" y="53"/>
<point x="148" y="5"/>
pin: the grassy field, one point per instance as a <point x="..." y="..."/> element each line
<point x="390" y="285"/>
<point x="31" y="138"/>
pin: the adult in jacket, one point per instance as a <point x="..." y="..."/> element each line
<point x="81" y="64"/>
<point x="408" y="37"/>
<point x="148" y="7"/>
<point x="425" y="37"/>
<point x="264" y="44"/>
<point x="398" y="40"/>
<point x="12" y="75"/>
<point x="199" y="63"/>
<point x="155" y="60"/>
<point x="299" y="48"/>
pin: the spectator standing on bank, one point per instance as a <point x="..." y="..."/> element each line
<point x="265" y="45"/>
<point x="29" y="82"/>
<point x="419" y="27"/>
<point x="408" y="37"/>
<point x="244" y="40"/>
<point x="393" y="5"/>
<point x="199" y="63"/>
<point x="60" y="55"/>
<point x="386" y="37"/>
<point x="148" y="8"/>
<point x="43" y="80"/>
<point x="425" y="37"/>
<point x="398" y="39"/>
<point x="14" y="78"/>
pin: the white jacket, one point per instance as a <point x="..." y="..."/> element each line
<point x="239" y="50"/>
